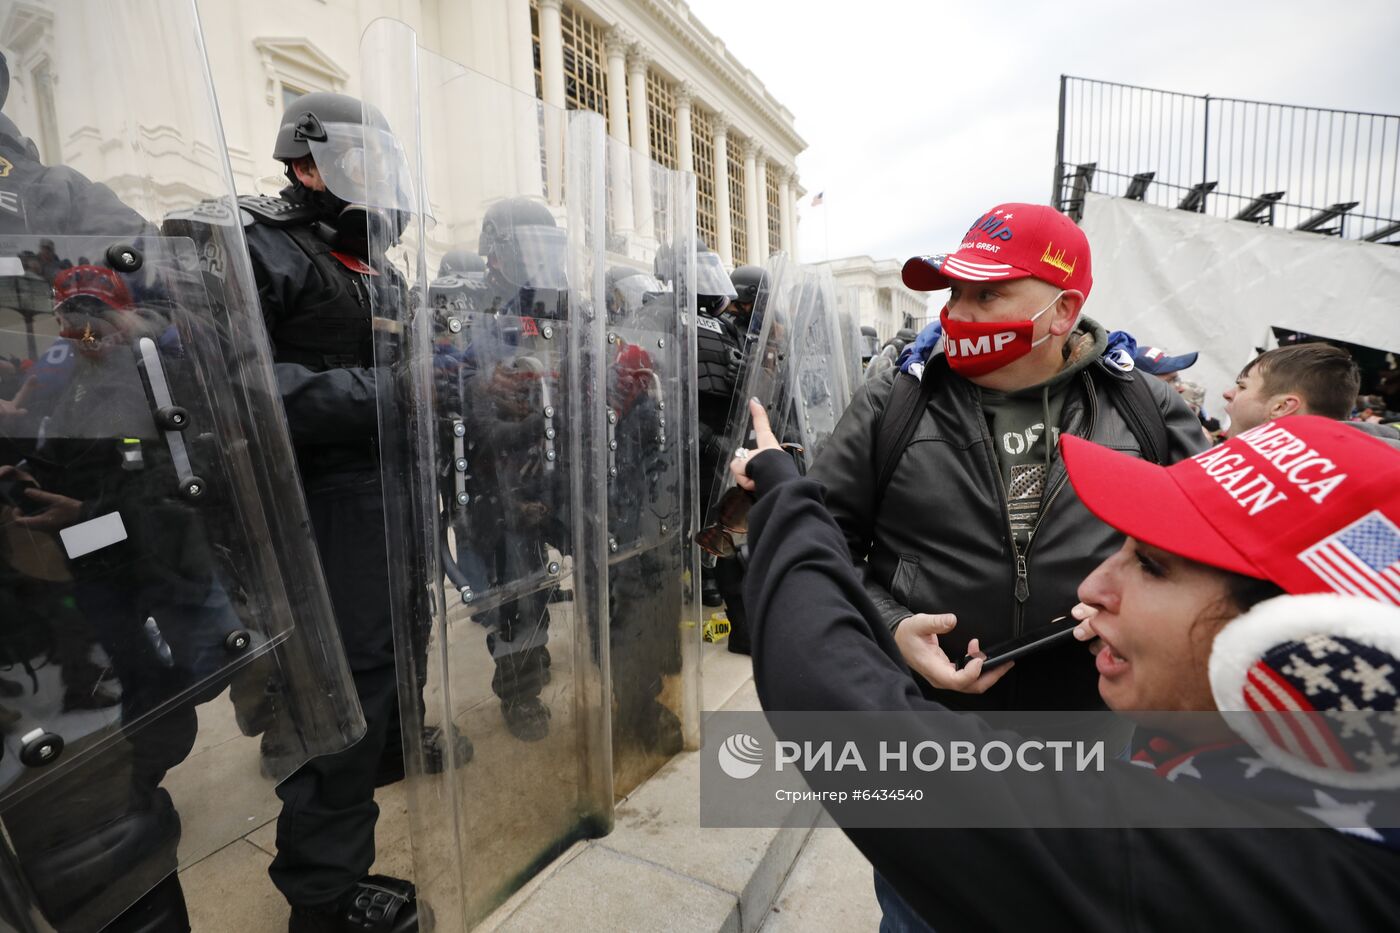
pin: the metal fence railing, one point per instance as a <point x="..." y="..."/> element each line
<point x="1308" y="168"/>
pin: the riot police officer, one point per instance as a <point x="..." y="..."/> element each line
<point x="507" y="380"/>
<point x="721" y="338"/>
<point x="317" y="254"/>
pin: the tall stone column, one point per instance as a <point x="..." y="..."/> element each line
<point x="617" y="42"/>
<point x="552" y="52"/>
<point x="522" y="47"/>
<point x="619" y="148"/>
<point x="785" y="208"/>
<point x="684" y="95"/>
<point x="761" y="161"/>
<point x="637" y="60"/>
<point x="725" y="247"/>
<point x="552" y="89"/>
<point x="751" y="152"/>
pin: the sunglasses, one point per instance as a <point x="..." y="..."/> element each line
<point x="732" y="517"/>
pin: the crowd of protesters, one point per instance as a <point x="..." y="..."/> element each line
<point x="1019" y="462"/>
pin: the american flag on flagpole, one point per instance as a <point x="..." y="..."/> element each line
<point x="817" y="198"/>
<point x="1362" y="559"/>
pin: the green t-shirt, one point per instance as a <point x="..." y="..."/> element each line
<point x="1025" y="429"/>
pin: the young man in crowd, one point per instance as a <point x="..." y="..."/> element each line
<point x="1303" y="379"/>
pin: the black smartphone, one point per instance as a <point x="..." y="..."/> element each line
<point x="1048" y="636"/>
<point x="12" y="493"/>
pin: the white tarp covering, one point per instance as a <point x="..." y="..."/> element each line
<point x="1183" y="281"/>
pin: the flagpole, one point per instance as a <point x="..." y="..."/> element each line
<point x="826" y="228"/>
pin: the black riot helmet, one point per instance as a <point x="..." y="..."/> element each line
<point x="4" y="80"/>
<point x="523" y="246"/>
<point x="368" y="192"/>
<point x="905" y="336"/>
<point x="713" y="290"/>
<point x="748" y="280"/>
<point x="309" y="118"/>
<point x="629" y="289"/>
<point x="869" y="342"/>
<point x="461" y="262"/>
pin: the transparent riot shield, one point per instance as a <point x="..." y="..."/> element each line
<point x="159" y="670"/>
<point x="763" y="375"/>
<point x="653" y="585"/>
<point x="820" y="386"/>
<point x="794" y="365"/>
<point x="493" y="444"/>
<point x="848" y="323"/>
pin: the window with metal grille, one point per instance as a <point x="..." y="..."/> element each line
<point x="585" y="63"/>
<point x="585" y="60"/>
<point x="775" y="217"/>
<point x="661" y="114"/>
<point x="738" y="234"/>
<point x="702" y="136"/>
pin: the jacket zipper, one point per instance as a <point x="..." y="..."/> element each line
<point x="1054" y="494"/>
<point x="1023" y="590"/>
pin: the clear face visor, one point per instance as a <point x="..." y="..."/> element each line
<point x="710" y="278"/>
<point x="364" y="165"/>
<point x="535" y="257"/>
<point x="634" y="289"/>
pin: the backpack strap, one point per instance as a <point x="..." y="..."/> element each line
<point x="908" y="398"/>
<point x="1134" y="400"/>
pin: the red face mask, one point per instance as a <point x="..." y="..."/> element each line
<point x="975" y="348"/>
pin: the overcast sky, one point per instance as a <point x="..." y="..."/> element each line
<point x="919" y="115"/>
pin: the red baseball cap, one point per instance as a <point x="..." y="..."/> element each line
<point x="1011" y="241"/>
<point x="1309" y="503"/>
<point x="88" y="281"/>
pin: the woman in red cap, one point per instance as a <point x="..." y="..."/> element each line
<point x="1184" y="621"/>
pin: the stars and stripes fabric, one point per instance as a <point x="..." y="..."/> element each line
<point x="1362" y="559"/>
<point x="1312" y="693"/>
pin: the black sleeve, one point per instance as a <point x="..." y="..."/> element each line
<point x="336" y="406"/>
<point x="846" y="469"/>
<point x="818" y="644"/>
<point x="1185" y="436"/>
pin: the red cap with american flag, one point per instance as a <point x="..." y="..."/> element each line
<point x="1309" y="503"/>
<point x="1011" y="241"/>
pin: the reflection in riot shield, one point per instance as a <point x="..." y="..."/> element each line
<point x="652" y="575"/>
<point x="494" y="466"/>
<point x="820" y="383"/>
<point x="145" y="510"/>
<point x="848" y="325"/>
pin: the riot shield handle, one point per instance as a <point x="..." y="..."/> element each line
<point x="169" y="417"/>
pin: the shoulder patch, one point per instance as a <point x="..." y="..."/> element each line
<point x="274" y="212"/>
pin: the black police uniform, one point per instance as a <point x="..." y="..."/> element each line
<point x="719" y="358"/>
<point x="510" y="521"/>
<point x="316" y="300"/>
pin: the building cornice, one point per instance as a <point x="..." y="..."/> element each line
<point x="677" y="19"/>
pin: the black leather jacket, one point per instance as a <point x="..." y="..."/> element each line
<point x="939" y="539"/>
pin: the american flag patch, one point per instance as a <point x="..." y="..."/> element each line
<point x="1362" y="559"/>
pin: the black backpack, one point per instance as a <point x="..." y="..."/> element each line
<point x="910" y="396"/>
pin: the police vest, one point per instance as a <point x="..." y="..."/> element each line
<point x="333" y="329"/>
<point x="718" y="358"/>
